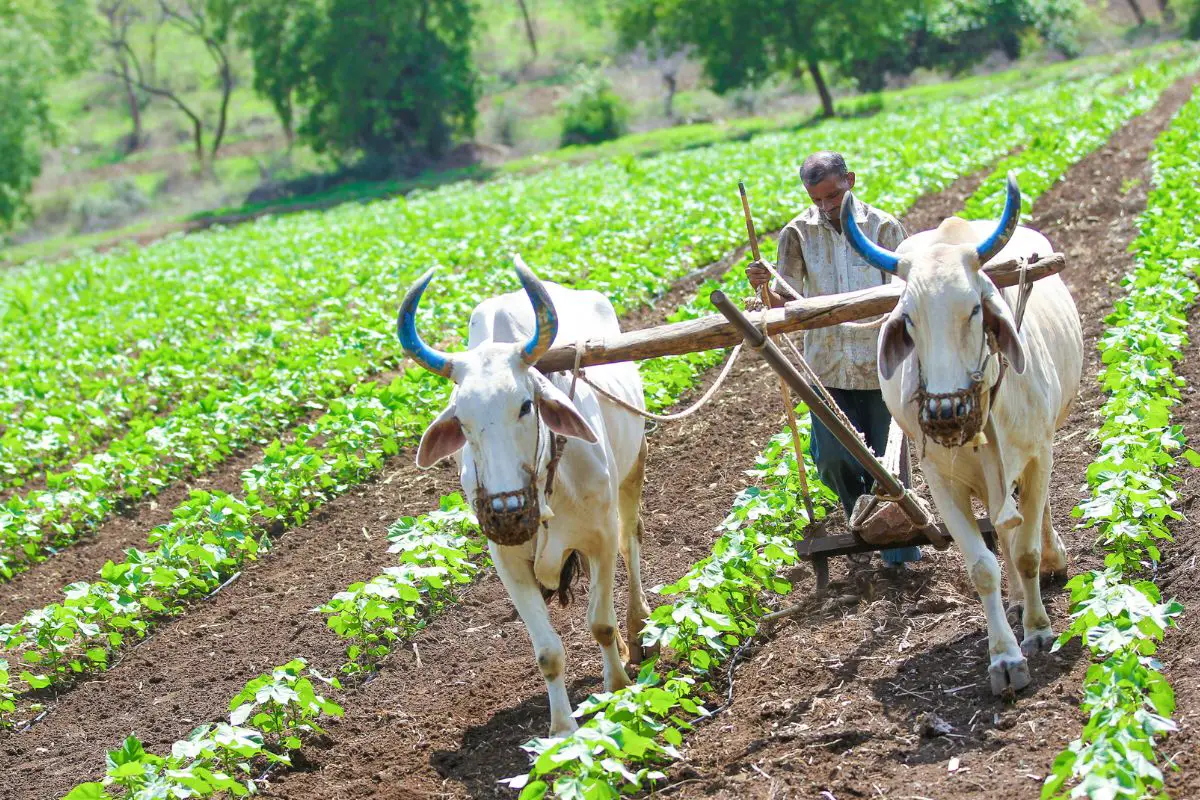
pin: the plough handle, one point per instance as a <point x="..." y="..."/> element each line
<point x="749" y="222"/>
<point x="858" y="449"/>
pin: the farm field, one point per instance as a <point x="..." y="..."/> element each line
<point x="206" y="473"/>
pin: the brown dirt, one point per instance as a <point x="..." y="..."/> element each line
<point x="1178" y="578"/>
<point x="129" y="527"/>
<point x="831" y="703"/>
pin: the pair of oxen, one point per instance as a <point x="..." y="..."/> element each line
<point x="517" y="433"/>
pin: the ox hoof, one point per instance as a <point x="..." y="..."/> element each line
<point x="1054" y="565"/>
<point x="1008" y="674"/>
<point x="1037" y="642"/>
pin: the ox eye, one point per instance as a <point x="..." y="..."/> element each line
<point x="526" y="407"/>
<point x="907" y="320"/>
<point x="975" y="311"/>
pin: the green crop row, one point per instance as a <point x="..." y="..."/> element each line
<point x="193" y="440"/>
<point x="352" y="262"/>
<point x="629" y="734"/>
<point x="212" y="535"/>
<point x="62" y="416"/>
<point x="437" y="552"/>
<point x="897" y="160"/>
<point x="266" y="722"/>
<point x="1118" y="615"/>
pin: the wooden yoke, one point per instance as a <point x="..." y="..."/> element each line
<point x="714" y="332"/>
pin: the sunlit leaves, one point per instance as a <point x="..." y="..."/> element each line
<point x="268" y="718"/>
<point x="1119" y="618"/>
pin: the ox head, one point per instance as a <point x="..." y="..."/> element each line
<point x="948" y="311"/>
<point x="501" y="406"/>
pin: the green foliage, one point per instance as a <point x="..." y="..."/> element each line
<point x="41" y="41"/>
<point x="268" y="718"/>
<point x="592" y="113"/>
<point x="743" y="42"/>
<point x="1119" y="618"/>
<point x="393" y="80"/>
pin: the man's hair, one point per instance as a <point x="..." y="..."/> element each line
<point x="822" y="165"/>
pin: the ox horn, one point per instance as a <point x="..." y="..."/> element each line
<point x="992" y="245"/>
<point x="415" y="348"/>
<point x="543" y="311"/>
<point x="879" y="257"/>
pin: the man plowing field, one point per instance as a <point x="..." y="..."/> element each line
<point x="815" y="258"/>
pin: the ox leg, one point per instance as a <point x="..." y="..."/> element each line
<point x="602" y="618"/>
<point x="516" y="573"/>
<point x="1054" y="552"/>
<point x="1028" y="555"/>
<point x="1008" y="668"/>
<point x="630" y="545"/>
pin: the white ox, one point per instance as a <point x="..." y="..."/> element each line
<point x="500" y="421"/>
<point x="936" y="383"/>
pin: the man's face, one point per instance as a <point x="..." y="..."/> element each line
<point x="827" y="197"/>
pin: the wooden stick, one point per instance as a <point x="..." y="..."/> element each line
<point x="783" y="387"/>
<point x="714" y="332"/>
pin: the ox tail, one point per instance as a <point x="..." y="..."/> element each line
<point x="572" y="569"/>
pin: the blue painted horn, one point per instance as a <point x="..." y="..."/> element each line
<point x="543" y="311"/>
<point x="992" y="245"/>
<point x="415" y="348"/>
<point x="879" y="257"/>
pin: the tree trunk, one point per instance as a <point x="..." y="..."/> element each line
<point x="814" y="69"/>
<point x="1137" y="12"/>
<point x="135" y="113"/>
<point x="529" y="32"/>
<point x="669" y="108"/>
<point x="1168" y="13"/>
<point x="223" y="116"/>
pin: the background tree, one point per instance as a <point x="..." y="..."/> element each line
<point x="275" y="34"/>
<point x="743" y="42"/>
<point x="41" y="41"/>
<point x="119" y="17"/>
<point x="205" y="21"/>
<point x="391" y="80"/>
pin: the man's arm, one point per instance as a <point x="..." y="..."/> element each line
<point x="789" y="261"/>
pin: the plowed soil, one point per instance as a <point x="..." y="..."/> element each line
<point x="827" y="705"/>
<point x="834" y="705"/>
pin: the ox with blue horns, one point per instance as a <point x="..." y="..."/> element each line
<point x="951" y="338"/>
<point x="555" y="478"/>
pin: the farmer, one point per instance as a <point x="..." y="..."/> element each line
<point x="815" y="259"/>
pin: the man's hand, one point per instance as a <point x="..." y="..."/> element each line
<point x="757" y="274"/>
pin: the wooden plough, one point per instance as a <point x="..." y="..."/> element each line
<point x="732" y="327"/>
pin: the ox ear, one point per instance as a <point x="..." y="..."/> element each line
<point x="443" y="438"/>
<point x="895" y="344"/>
<point x="560" y="413"/>
<point x="999" y="320"/>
